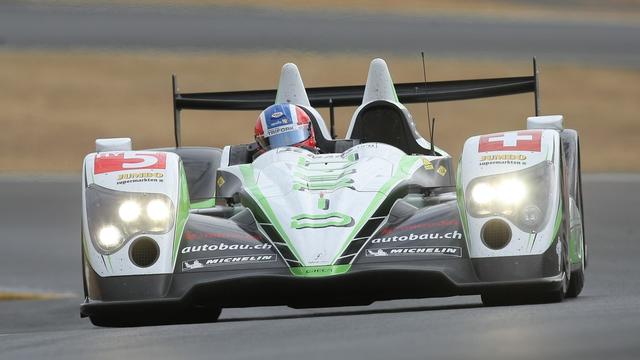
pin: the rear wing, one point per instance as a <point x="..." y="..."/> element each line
<point x="338" y="96"/>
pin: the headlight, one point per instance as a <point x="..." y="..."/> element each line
<point x="110" y="237"/>
<point x="509" y="191"/>
<point x="115" y="217"/>
<point x="129" y="211"/>
<point x="483" y="193"/>
<point x="158" y="210"/>
<point x="520" y="196"/>
<point x="512" y="191"/>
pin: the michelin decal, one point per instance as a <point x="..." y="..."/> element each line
<point x="418" y="250"/>
<point x="227" y="260"/>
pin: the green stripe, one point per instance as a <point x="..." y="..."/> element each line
<point x="254" y="191"/>
<point x="556" y="226"/>
<point x="331" y="219"/>
<point x="204" y="204"/>
<point x="323" y="185"/>
<point x="183" y="211"/>
<point x="402" y="171"/>
<point x="110" y="265"/>
<point x="323" y="177"/>
<point x="319" y="271"/>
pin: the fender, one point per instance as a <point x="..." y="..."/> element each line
<point x="510" y="192"/>
<point x="118" y="193"/>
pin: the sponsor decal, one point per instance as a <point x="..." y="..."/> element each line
<point x="418" y="250"/>
<point x="526" y="140"/>
<point x="220" y="181"/>
<point x="196" y="235"/>
<point x="503" y="159"/>
<point x="413" y="237"/>
<point x="227" y="260"/>
<point x="223" y="247"/>
<point x="277" y="114"/>
<point x="120" y="161"/>
<point x="129" y="178"/>
<point x="427" y="164"/>
<point x="423" y="225"/>
<point x="278" y="130"/>
<point x="320" y="270"/>
<point x="442" y="171"/>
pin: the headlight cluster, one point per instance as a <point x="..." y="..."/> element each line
<point x="520" y="196"/>
<point x="114" y="217"/>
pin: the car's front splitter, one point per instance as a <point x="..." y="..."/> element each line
<point x="363" y="284"/>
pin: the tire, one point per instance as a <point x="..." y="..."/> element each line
<point x="85" y="288"/>
<point x="577" y="276"/>
<point x="576" y="284"/>
<point x="500" y="299"/>
<point x="131" y="319"/>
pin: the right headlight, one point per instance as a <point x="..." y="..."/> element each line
<point x="520" y="196"/>
<point x="115" y="217"/>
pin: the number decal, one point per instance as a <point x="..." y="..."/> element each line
<point x="119" y="161"/>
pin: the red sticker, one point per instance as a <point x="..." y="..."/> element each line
<point x="119" y="161"/>
<point x="527" y="140"/>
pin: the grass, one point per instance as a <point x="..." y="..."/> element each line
<point x="55" y="103"/>
<point x="18" y="295"/>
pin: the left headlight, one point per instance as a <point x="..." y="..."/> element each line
<point x="115" y="217"/>
<point x="520" y="196"/>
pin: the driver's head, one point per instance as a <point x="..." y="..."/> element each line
<point x="284" y="125"/>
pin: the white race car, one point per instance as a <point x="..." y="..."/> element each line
<point x="176" y="234"/>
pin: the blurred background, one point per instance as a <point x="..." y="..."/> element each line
<point x="72" y="71"/>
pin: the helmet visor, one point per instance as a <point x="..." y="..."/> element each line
<point x="284" y="136"/>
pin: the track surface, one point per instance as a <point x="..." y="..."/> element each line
<point x="39" y="220"/>
<point x="39" y="230"/>
<point x="178" y="28"/>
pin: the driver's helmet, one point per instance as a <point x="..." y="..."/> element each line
<point x="284" y="125"/>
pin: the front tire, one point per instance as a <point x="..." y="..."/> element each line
<point x="576" y="284"/>
<point x="577" y="276"/>
<point x="490" y="299"/>
<point x="147" y="318"/>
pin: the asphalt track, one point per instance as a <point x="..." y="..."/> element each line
<point x="39" y="226"/>
<point x="222" y="28"/>
<point x="39" y="218"/>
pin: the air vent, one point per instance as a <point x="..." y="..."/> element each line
<point x="144" y="252"/>
<point x="496" y="234"/>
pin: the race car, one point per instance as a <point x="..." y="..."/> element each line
<point x="176" y="234"/>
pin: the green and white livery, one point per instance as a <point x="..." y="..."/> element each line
<point x="175" y="234"/>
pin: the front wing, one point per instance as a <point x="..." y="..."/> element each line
<point x="228" y="263"/>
